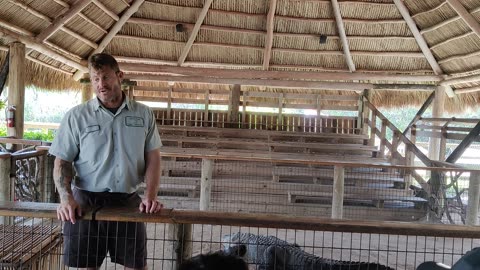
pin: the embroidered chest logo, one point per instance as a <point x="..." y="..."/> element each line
<point x="132" y="121"/>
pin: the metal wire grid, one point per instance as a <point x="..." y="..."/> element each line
<point x="36" y="244"/>
<point x="380" y="193"/>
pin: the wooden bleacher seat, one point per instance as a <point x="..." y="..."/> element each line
<point x="31" y="247"/>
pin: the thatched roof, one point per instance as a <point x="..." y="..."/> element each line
<point x="248" y="35"/>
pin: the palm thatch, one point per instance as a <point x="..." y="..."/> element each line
<point x="235" y="35"/>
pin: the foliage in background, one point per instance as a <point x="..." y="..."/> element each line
<point x="32" y="134"/>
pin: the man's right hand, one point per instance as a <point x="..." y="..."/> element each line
<point x="68" y="208"/>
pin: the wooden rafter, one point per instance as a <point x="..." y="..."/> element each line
<point x="190" y="26"/>
<point x="465" y="15"/>
<point x="459" y="57"/>
<point x="450" y="40"/>
<point x="106" y="10"/>
<point x="458" y="80"/>
<point x="254" y="82"/>
<point x="343" y="36"/>
<point x="467" y="90"/>
<point x="113" y="31"/>
<point x="445" y="22"/>
<point x="313" y="52"/>
<point x="267" y="53"/>
<point x="194" y="33"/>
<point x="430" y="10"/>
<point x="62" y="20"/>
<point x="37" y="46"/>
<point x="420" y="40"/>
<point x="255" y="74"/>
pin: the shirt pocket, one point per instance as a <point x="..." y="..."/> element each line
<point x="93" y="143"/>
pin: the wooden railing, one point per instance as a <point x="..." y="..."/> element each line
<point x="258" y="120"/>
<point x="27" y="175"/>
<point x="451" y="129"/>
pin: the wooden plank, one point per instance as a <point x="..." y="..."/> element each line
<point x="457" y="153"/>
<point x="342" y="35"/>
<point x="269" y="37"/>
<point x="420" y="112"/>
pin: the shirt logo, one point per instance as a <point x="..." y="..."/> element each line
<point x="91" y="129"/>
<point x="132" y="121"/>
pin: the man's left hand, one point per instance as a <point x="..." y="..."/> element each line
<point x="150" y="206"/>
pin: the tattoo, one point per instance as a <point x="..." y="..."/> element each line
<point x="62" y="176"/>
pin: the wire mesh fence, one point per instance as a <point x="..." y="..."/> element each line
<point x="378" y="192"/>
<point x="279" y="242"/>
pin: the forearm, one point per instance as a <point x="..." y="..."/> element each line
<point x="62" y="176"/>
<point x="152" y="174"/>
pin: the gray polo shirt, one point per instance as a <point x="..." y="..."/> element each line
<point x="108" y="150"/>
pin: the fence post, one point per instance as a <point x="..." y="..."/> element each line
<point x="383" y="138"/>
<point x="473" y="198"/>
<point x="206" y="183"/>
<point x="182" y="248"/>
<point x="373" y="127"/>
<point x="5" y="182"/>
<point x="338" y="191"/>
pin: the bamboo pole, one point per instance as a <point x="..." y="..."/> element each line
<point x="338" y="192"/>
<point x="473" y="198"/>
<point x="206" y="184"/>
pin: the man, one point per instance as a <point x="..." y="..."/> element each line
<point x="114" y="144"/>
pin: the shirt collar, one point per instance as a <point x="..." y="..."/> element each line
<point x="127" y="103"/>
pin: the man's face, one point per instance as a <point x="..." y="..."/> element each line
<point x="106" y="83"/>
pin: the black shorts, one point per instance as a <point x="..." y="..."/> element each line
<point x="86" y="242"/>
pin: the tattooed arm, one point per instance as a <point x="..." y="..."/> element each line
<point x="62" y="175"/>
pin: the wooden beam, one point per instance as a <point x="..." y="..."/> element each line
<point x="256" y="82"/>
<point x="407" y="87"/>
<point x="190" y="26"/>
<point x="459" y="57"/>
<point x="113" y="31"/>
<point x="458" y="152"/>
<point x="234" y="105"/>
<point x="459" y="80"/>
<point x="420" y="40"/>
<point x="48" y="65"/>
<point x="473" y="198"/>
<point x="79" y="37"/>
<point x="62" y="20"/>
<point x="267" y="53"/>
<point x="430" y="10"/>
<point x="206" y="184"/>
<point x="467" y="90"/>
<point x="450" y="40"/>
<point x="35" y="45"/>
<point x="343" y="36"/>
<point x="15" y="28"/>
<point x="438" y="108"/>
<point x="260" y="74"/>
<point x="420" y="112"/>
<point x="466" y="16"/>
<point x="31" y="10"/>
<point x="99" y="27"/>
<point x="445" y="22"/>
<point x="106" y="10"/>
<point x="194" y="33"/>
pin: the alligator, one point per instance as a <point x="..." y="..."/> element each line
<point x="271" y="253"/>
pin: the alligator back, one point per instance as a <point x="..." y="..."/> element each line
<point x="271" y="253"/>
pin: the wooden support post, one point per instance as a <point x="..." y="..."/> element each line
<point x="443" y="143"/>
<point x="233" y="106"/>
<point x="206" y="183"/>
<point x="473" y="198"/>
<point x="5" y="183"/>
<point x="410" y="157"/>
<point x="16" y="87"/>
<point x="373" y="127"/>
<point x="338" y="191"/>
<point x="280" y="112"/>
<point x="182" y="246"/>
<point x="393" y="150"/>
<point x="437" y="112"/>
<point x="87" y="91"/>
<point x="205" y="113"/>
<point x="244" y="109"/>
<point x="169" y="106"/>
<point x="319" y="114"/>
<point x="383" y="139"/>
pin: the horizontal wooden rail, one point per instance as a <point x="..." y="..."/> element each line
<point x="452" y="120"/>
<point x="173" y="216"/>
